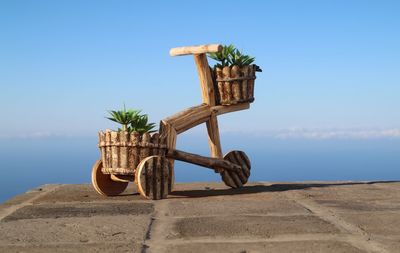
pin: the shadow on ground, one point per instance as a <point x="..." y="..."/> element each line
<point x="265" y="188"/>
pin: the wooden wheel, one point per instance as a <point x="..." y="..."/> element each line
<point x="153" y="177"/>
<point x="103" y="184"/>
<point x="236" y="179"/>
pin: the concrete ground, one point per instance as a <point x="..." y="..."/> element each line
<point x="207" y="217"/>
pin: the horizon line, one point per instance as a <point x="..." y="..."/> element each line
<point x="283" y="133"/>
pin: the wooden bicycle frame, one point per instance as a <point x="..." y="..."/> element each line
<point x="204" y="113"/>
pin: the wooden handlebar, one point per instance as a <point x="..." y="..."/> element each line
<point x="202" y="49"/>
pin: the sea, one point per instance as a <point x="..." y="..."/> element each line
<point x="26" y="163"/>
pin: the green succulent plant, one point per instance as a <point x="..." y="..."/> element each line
<point x="240" y="59"/>
<point x="231" y="56"/>
<point x="141" y="125"/>
<point x="224" y="56"/>
<point x="131" y="120"/>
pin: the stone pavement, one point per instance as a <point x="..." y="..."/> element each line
<point x="207" y="217"/>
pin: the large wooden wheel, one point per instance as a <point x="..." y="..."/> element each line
<point x="103" y="183"/>
<point x="154" y="177"/>
<point x="236" y="179"/>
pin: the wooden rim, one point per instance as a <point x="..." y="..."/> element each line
<point x="153" y="177"/>
<point x="235" y="79"/>
<point x="103" y="183"/>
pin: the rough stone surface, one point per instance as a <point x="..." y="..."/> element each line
<point x="379" y="223"/>
<point x="358" y="206"/>
<point x="108" y="247"/>
<point x="84" y="193"/>
<point x="185" y="207"/>
<point x="250" y="226"/>
<point x="75" y="230"/>
<point x="207" y="217"/>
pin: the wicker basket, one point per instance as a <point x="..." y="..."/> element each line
<point x="234" y="84"/>
<point x="121" y="152"/>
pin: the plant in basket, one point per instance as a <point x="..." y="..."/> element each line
<point x="234" y="75"/>
<point x="123" y="149"/>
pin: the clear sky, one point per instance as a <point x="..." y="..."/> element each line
<point x="326" y="64"/>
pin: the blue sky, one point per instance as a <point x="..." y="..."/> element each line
<point x="327" y="65"/>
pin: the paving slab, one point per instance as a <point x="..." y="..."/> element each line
<point x="232" y="206"/>
<point x="270" y="247"/>
<point x="381" y="223"/>
<point x="109" y="247"/>
<point x="55" y="211"/>
<point x="44" y="232"/>
<point x="358" y="206"/>
<point x="365" y="191"/>
<point x="85" y="193"/>
<point x="249" y="226"/>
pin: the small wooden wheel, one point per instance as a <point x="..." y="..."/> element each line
<point x="153" y="177"/>
<point x="103" y="184"/>
<point x="236" y="179"/>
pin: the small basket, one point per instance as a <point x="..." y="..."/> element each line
<point x="234" y="84"/>
<point x="121" y="152"/>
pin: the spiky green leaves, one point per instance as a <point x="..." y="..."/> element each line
<point x="140" y="124"/>
<point x="224" y="56"/>
<point x="240" y="59"/>
<point x="231" y="56"/>
<point x="124" y="117"/>
<point x="132" y="120"/>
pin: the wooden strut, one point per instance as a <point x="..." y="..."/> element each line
<point x="215" y="163"/>
<point x="168" y="132"/>
<point x="208" y="95"/>
<point x="196" y="115"/>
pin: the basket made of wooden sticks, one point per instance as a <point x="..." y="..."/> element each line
<point x="121" y="152"/>
<point x="234" y="84"/>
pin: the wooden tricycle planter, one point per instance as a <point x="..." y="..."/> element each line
<point x="148" y="160"/>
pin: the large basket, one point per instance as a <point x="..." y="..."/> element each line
<point x="234" y="84"/>
<point x="121" y="152"/>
